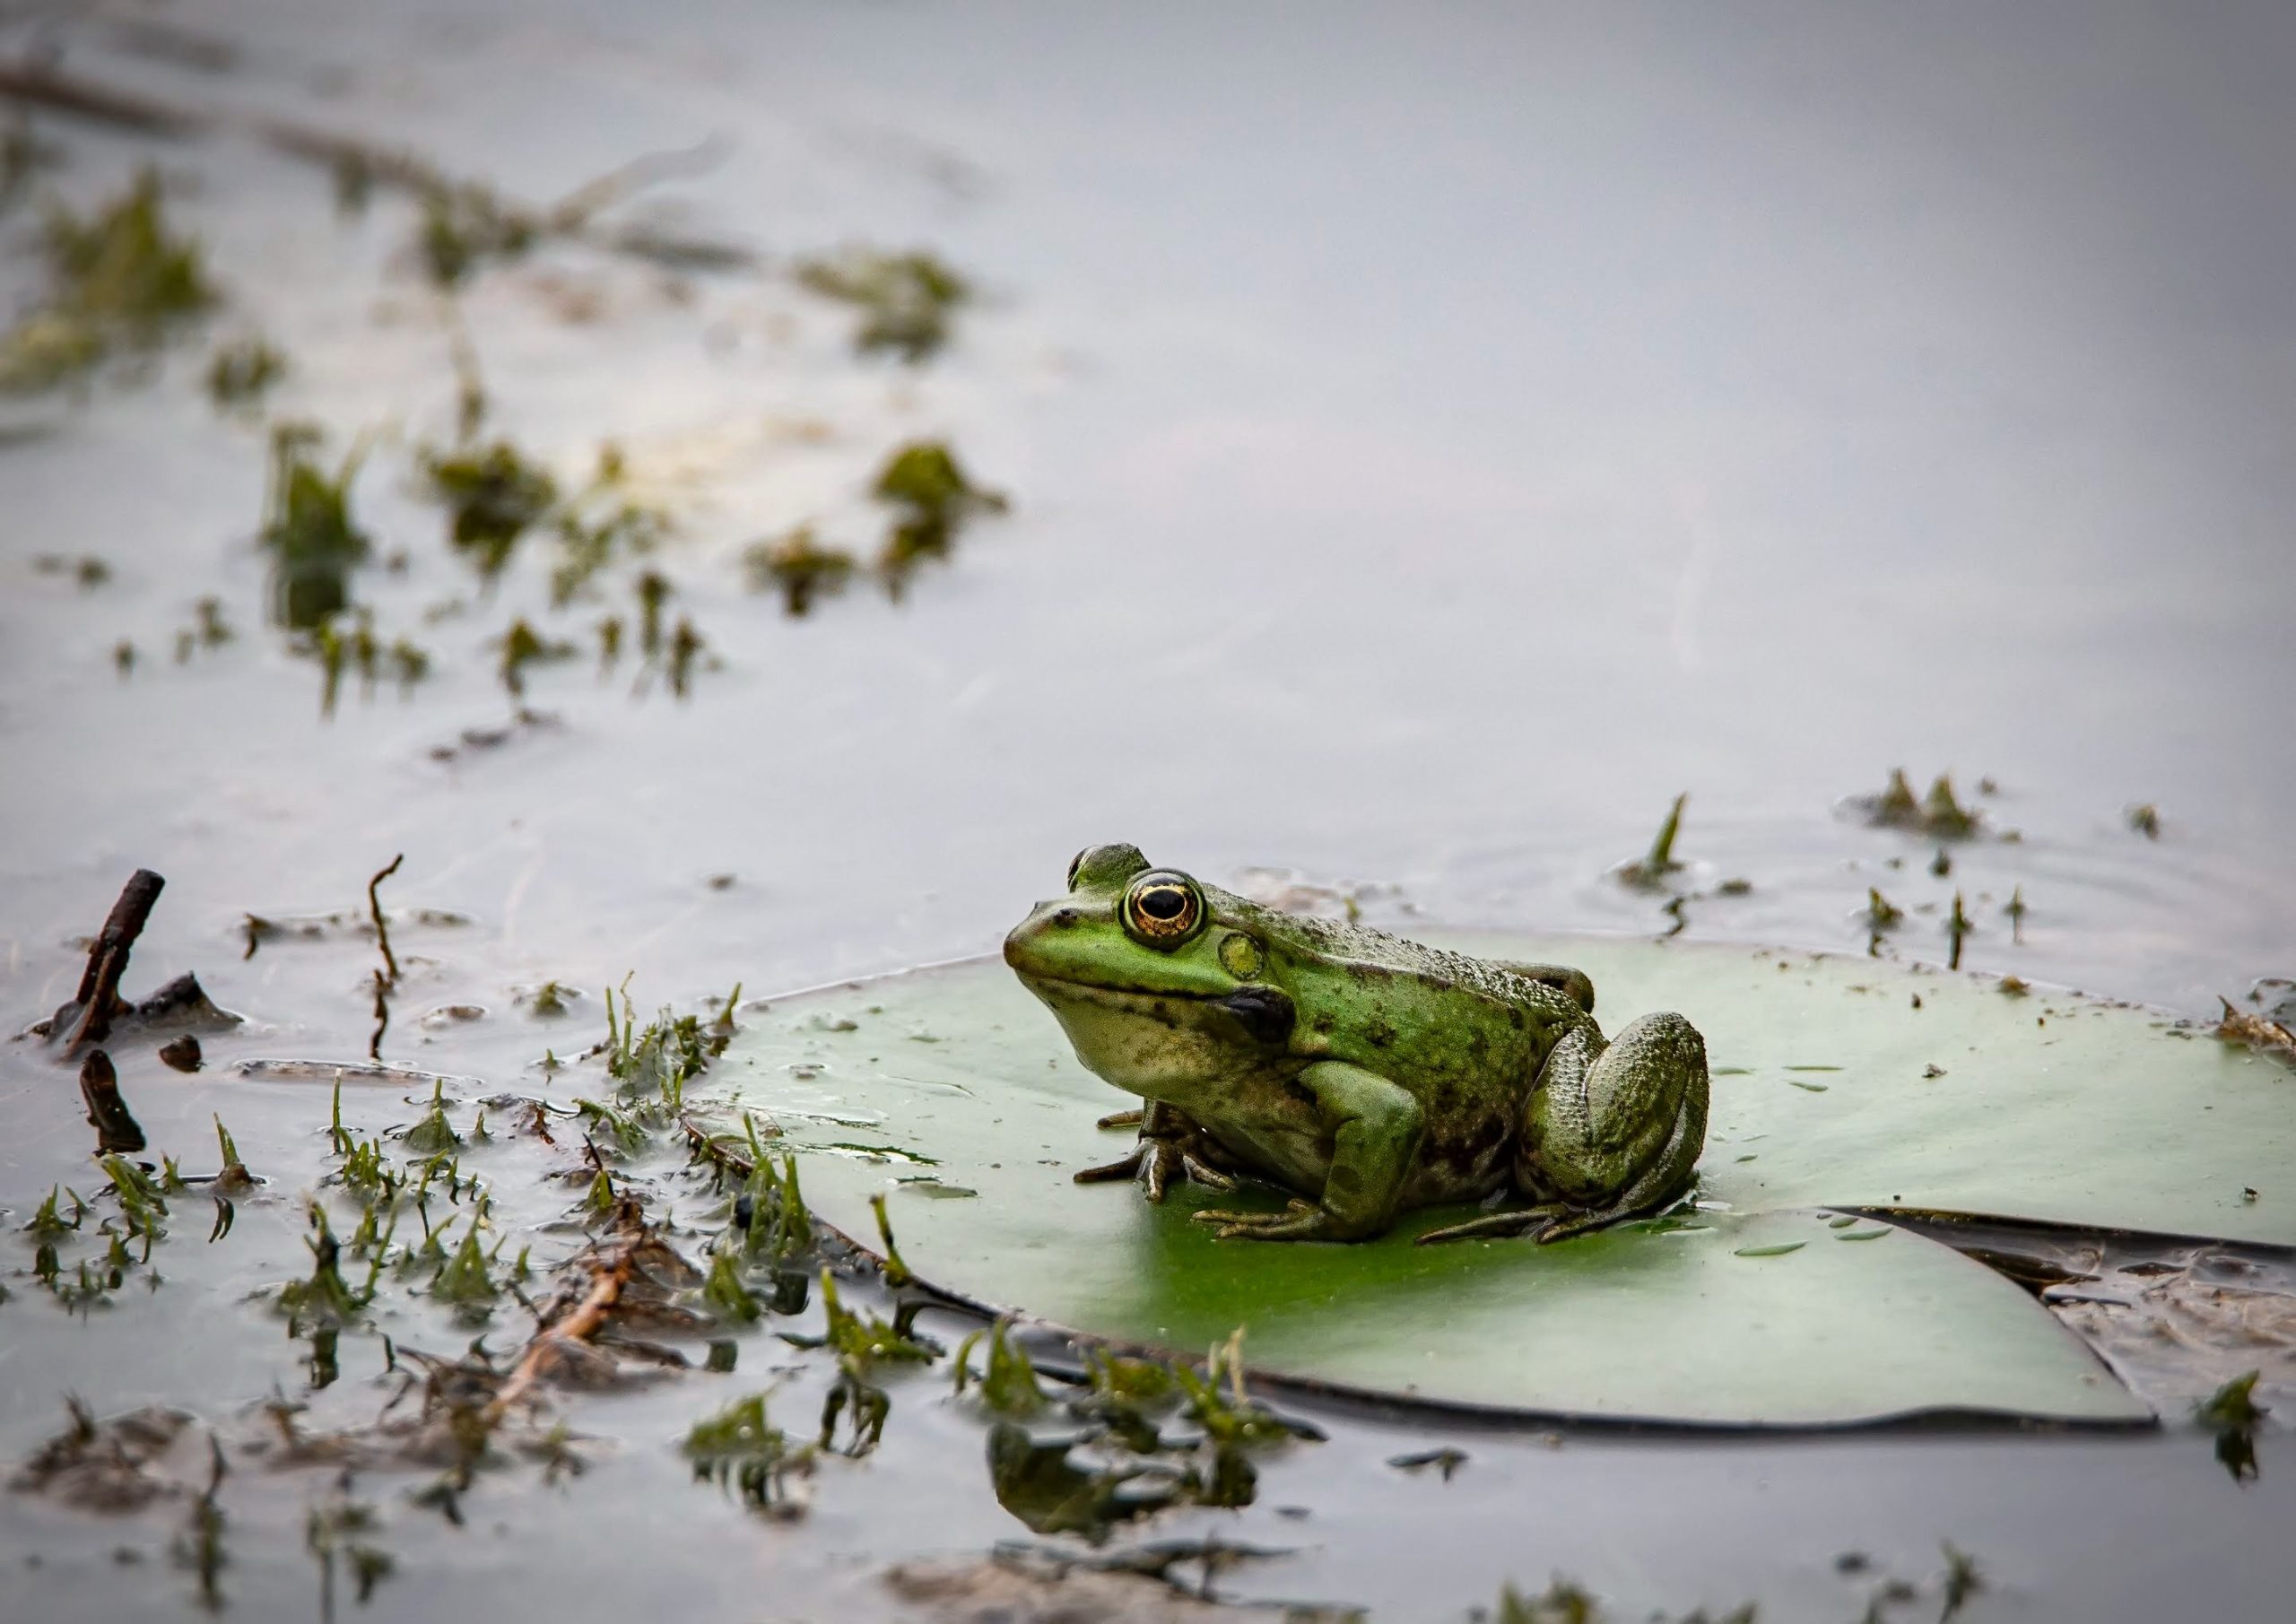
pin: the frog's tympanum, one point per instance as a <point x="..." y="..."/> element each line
<point x="1365" y="1073"/>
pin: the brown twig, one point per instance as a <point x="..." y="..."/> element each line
<point x="613" y="1267"/>
<point x="42" y="83"/>
<point x="375" y="911"/>
<point x="89" y="1016"/>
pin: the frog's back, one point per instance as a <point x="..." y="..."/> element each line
<point x="1377" y="953"/>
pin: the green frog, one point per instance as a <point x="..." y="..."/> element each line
<point x="1366" y="1075"/>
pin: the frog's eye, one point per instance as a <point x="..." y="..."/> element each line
<point x="1076" y="863"/>
<point x="1162" y="908"/>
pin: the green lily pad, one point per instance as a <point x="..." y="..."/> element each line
<point x="2101" y="1115"/>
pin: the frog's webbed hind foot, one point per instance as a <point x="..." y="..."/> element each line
<point x="1171" y="1150"/>
<point x="1493" y="1226"/>
<point x="1157" y="1164"/>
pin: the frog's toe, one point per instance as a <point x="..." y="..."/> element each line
<point x="1209" y="1176"/>
<point x="1571" y="1224"/>
<point x="1122" y="1119"/>
<point x="1492" y="1225"/>
<point x="1128" y="1167"/>
<point x="1299" y="1221"/>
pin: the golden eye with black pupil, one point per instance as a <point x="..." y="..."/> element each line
<point x="1163" y="909"/>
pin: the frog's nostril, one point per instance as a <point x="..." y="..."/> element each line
<point x="1065" y="916"/>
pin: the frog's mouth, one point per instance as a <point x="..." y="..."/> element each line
<point x="1266" y="1014"/>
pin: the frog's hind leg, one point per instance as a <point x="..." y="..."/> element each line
<point x="1615" y="1130"/>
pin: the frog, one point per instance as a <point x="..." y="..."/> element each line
<point x="1360" y="1074"/>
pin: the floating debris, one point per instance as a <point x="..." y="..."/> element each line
<point x="2145" y="819"/>
<point x="2258" y="1031"/>
<point x="110" y="1465"/>
<point x="1446" y="1460"/>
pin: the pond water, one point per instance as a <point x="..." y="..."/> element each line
<point x="1435" y="440"/>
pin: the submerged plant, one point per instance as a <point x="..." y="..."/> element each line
<point x="117" y="279"/>
<point x="241" y="371"/>
<point x="906" y="300"/>
<point x="308" y="530"/>
<point x="494" y="494"/>
<point x="798" y="566"/>
<point x="1008" y="1384"/>
<point x="1939" y="814"/>
<point x="327" y="1299"/>
<point x="739" y="1448"/>
<point x="932" y="499"/>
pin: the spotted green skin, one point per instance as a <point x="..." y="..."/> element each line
<point x="1367" y="1073"/>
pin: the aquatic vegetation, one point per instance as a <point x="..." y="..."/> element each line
<point x="327" y="1299"/>
<point x="199" y="1547"/>
<point x="522" y="645"/>
<point x="494" y="494"/>
<point x="340" y="1528"/>
<point x="1231" y="1417"/>
<point x="1957" y="927"/>
<point x="242" y="371"/>
<point x="686" y="647"/>
<point x="1040" y="1483"/>
<point x="589" y="546"/>
<point x="118" y="279"/>
<point x="308" y="530"/>
<point x="1939" y="814"/>
<point x="739" y="1448"/>
<point x="466" y="1280"/>
<point x="464" y="225"/>
<point x="654" y="1062"/>
<point x="1881" y="917"/>
<point x="2233" y="1413"/>
<point x="1008" y="1384"/>
<point x="906" y="300"/>
<point x="434" y="1134"/>
<point x="932" y="499"/>
<point x="87" y="570"/>
<point x="726" y="1294"/>
<point x="799" y="568"/>
<point x="1650" y="873"/>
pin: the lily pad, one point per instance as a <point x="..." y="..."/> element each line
<point x="2097" y="1114"/>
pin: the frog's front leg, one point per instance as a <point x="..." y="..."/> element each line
<point x="1171" y="1146"/>
<point x="1615" y="1130"/>
<point x="1376" y="1138"/>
